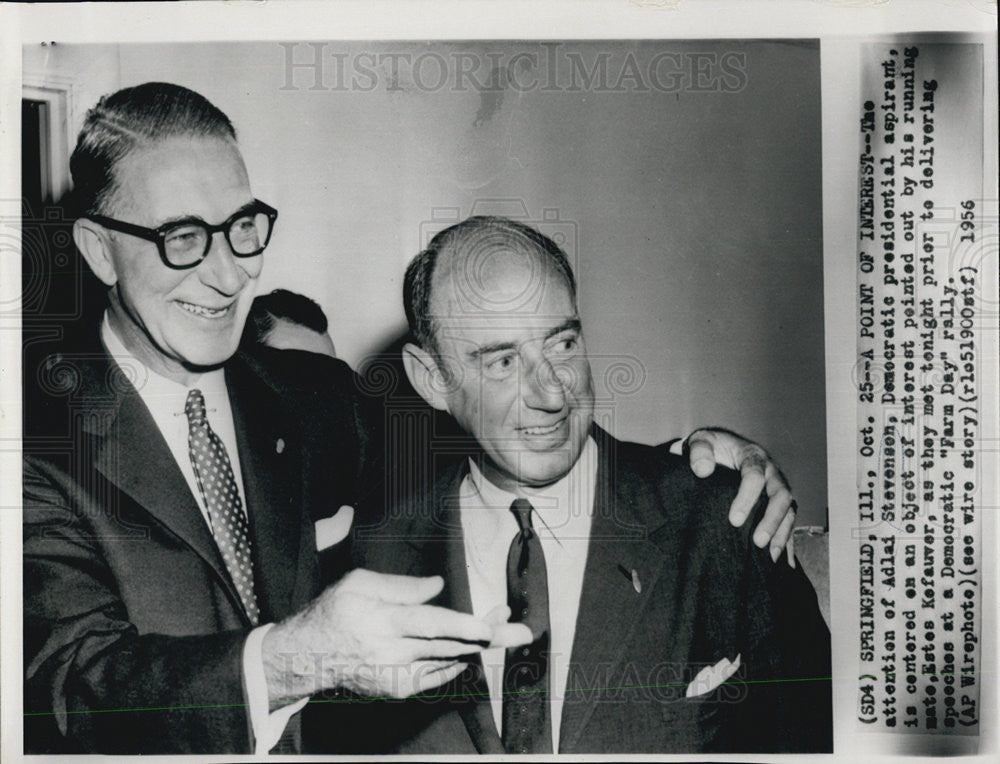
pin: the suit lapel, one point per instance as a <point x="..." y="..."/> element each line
<point x="132" y="454"/>
<point x="443" y="550"/>
<point x="271" y="462"/>
<point x="451" y="549"/>
<point x="626" y="515"/>
<point x="613" y="597"/>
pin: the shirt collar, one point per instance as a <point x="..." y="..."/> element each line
<point x="558" y="505"/>
<point x="155" y="389"/>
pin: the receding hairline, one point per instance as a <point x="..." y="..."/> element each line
<point x="467" y="236"/>
<point x="450" y="259"/>
<point x="127" y="118"/>
<point x="112" y="201"/>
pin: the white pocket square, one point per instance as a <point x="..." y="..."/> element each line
<point x="334" y="529"/>
<point x="711" y="677"/>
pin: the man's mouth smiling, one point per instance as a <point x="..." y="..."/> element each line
<point x="542" y="430"/>
<point x="202" y="311"/>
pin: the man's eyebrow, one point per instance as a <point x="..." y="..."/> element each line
<point x="495" y="347"/>
<point x="180" y="219"/>
<point x="572" y="325"/>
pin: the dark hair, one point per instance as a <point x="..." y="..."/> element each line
<point x="284" y="305"/>
<point x="128" y="119"/>
<point x="473" y="234"/>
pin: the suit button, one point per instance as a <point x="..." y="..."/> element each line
<point x="525" y="651"/>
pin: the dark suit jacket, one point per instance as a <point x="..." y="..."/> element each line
<point x="133" y="630"/>
<point x="707" y="593"/>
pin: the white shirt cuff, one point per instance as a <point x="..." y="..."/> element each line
<point x="267" y="726"/>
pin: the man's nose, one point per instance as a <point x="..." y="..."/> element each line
<point x="543" y="389"/>
<point x="219" y="269"/>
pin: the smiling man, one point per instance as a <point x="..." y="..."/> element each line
<point x="186" y="506"/>
<point x="177" y="318"/>
<point x="532" y="434"/>
<point x="173" y="579"/>
<point x="655" y="628"/>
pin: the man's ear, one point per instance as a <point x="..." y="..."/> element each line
<point x="425" y="375"/>
<point x="93" y="242"/>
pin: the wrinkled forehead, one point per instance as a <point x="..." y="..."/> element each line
<point x="498" y="280"/>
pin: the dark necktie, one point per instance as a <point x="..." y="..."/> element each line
<point x="217" y="484"/>
<point x="527" y="724"/>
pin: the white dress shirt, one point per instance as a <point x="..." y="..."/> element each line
<point x="165" y="400"/>
<point x="562" y="519"/>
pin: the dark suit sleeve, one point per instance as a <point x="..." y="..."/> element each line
<point x="92" y="682"/>
<point x="786" y="649"/>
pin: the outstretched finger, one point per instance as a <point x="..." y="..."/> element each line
<point x="511" y="635"/>
<point x="415" y="650"/>
<point x="497" y="616"/>
<point x="402" y="590"/>
<point x="431" y="622"/>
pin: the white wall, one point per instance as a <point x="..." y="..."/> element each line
<point x="693" y="218"/>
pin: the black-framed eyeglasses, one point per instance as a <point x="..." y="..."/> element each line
<point x="185" y="243"/>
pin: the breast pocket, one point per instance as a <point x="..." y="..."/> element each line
<point x="709" y="720"/>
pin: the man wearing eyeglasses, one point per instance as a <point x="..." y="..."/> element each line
<point x="181" y="514"/>
<point x="182" y="522"/>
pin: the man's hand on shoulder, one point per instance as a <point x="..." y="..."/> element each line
<point x="709" y="447"/>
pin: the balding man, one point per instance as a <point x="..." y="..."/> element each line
<point x="655" y="628"/>
<point x="186" y="506"/>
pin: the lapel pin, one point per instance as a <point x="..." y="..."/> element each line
<point x="633" y="577"/>
<point x="279" y="445"/>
